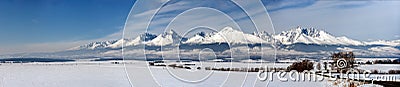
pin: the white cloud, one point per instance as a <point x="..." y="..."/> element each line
<point x="199" y="16"/>
<point x="375" y="20"/>
<point x="397" y="36"/>
<point x="38" y="47"/>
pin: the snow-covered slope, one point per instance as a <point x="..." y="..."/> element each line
<point x="197" y="38"/>
<point x="95" y="45"/>
<point x="313" y="36"/>
<point x="133" y="42"/>
<point x="142" y="38"/>
<point x="385" y="49"/>
<point x="226" y="35"/>
<point x="264" y="35"/>
<point x="385" y="42"/>
<point x="118" y="43"/>
<point x="167" y="38"/>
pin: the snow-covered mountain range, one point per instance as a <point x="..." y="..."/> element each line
<point x="228" y="42"/>
<point x="232" y="36"/>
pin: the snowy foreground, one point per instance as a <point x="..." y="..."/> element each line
<point x="106" y="74"/>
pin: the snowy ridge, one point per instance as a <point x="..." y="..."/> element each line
<point x="95" y="45"/>
<point x="133" y="42"/>
<point x="167" y="38"/>
<point x="384" y="42"/>
<point x="264" y="35"/>
<point x="118" y="43"/>
<point x="198" y="38"/>
<point x="226" y="35"/>
<point x="313" y="36"/>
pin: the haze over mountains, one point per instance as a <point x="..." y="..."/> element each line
<point x="229" y="42"/>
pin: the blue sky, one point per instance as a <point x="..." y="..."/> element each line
<point x="50" y="25"/>
<point x="38" y="21"/>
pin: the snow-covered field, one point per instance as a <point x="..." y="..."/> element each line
<point x="106" y="74"/>
<point x="57" y="75"/>
<point x="384" y="68"/>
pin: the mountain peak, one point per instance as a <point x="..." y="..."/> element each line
<point x="170" y="32"/>
<point x="168" y="38"/>
<point x="202" y="34"/>
<point x="146" y="36"/>
<point x="312" y="32"/>
<point x="227" y="29"/>
<point x="299" y="27"/>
